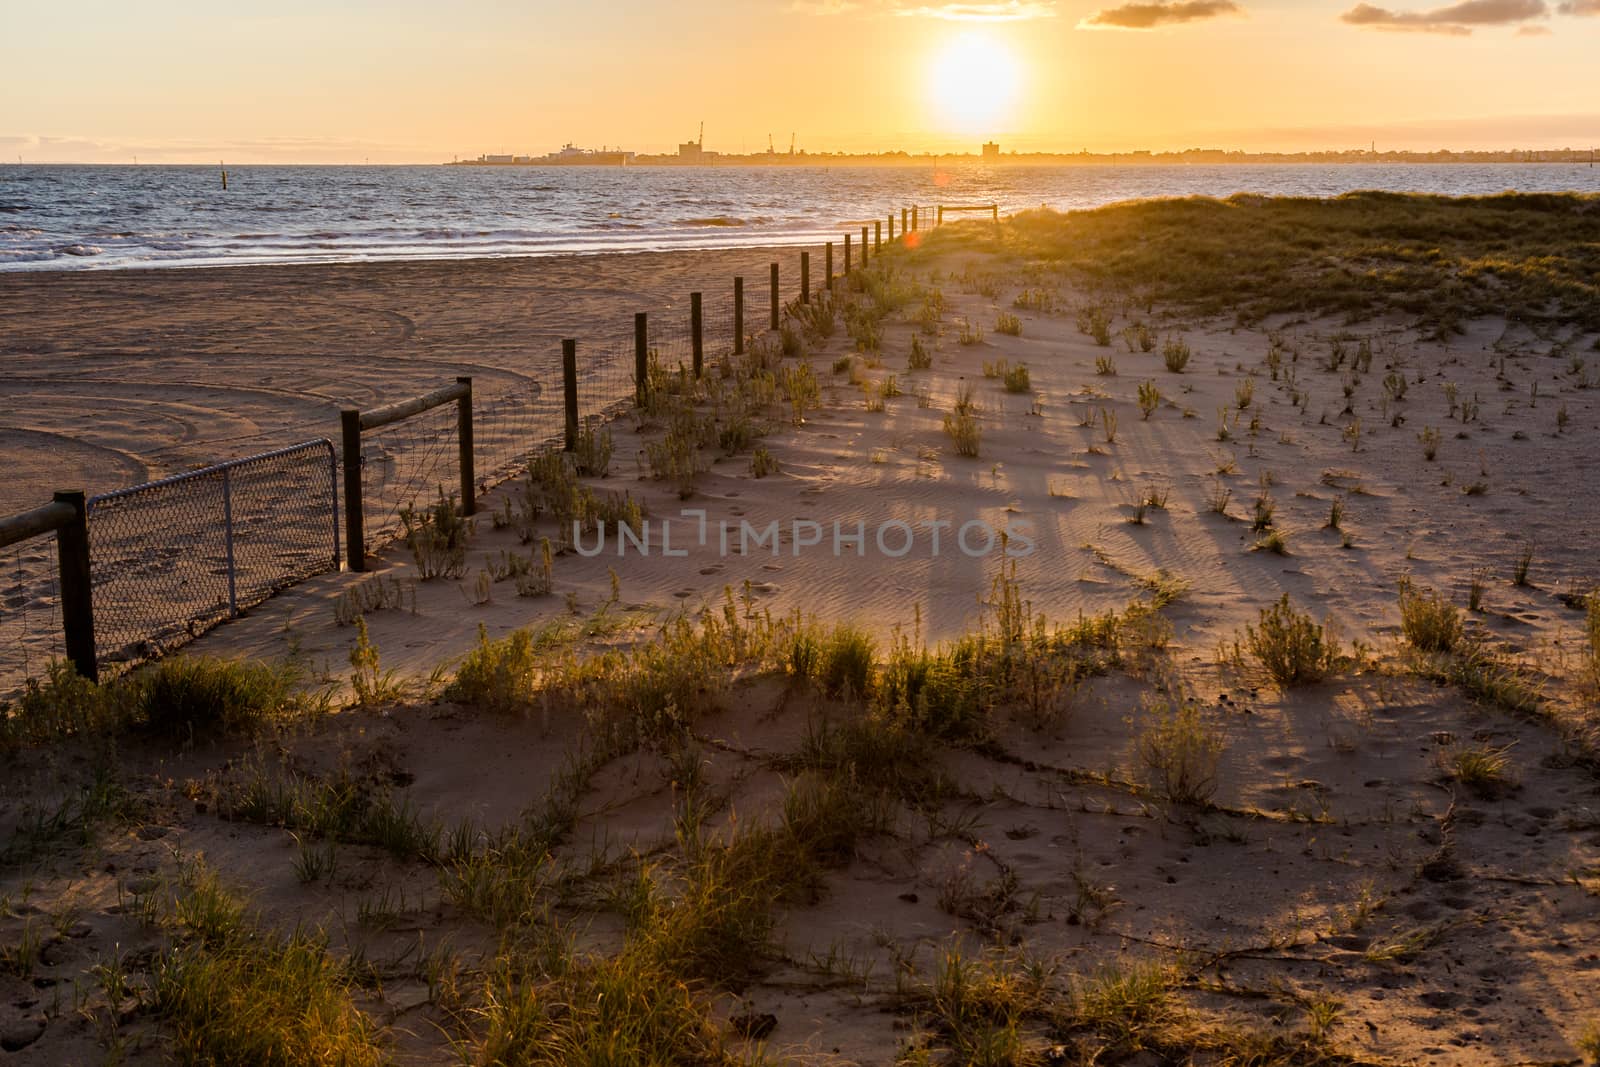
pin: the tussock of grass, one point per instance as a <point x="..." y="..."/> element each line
<point x="230" y="992"/>
<point x="1429" y="621"/>
<point x="181" y="696"/>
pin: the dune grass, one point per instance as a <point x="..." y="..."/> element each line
<point x="1442" y="261"/>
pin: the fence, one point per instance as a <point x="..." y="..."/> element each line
<point x="173" y="558"/>
<point x="142" y="570"/>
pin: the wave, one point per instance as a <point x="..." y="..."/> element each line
<point x="79" y="250"/>
<point x="714" y="220"/>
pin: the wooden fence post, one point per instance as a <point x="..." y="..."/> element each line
<point x="354" y="533"/>
<point x="877" y="237"/>
<point x="827" y="265"/>
<point x="774" y="296"/>
<point x="891" y="227"/>
<point x="903" y="229"/>
<point x="847" y="255"/>
<point x="569" y="386"/>
<point x="805" y="277"/>
<point x="695" y="323"/>
<point x="914" y="226"/>
<point x="863" y="248"/>
<point x="77" y="589"/>
<point x="738" y="318"/>
<point x="469" y="479"/>
<point x="997" y="214"/>
<point x="641" y="358"/>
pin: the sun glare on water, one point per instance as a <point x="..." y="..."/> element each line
<point x="974" y="82"/>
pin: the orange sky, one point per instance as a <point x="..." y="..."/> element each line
<point x="402" y="80"/>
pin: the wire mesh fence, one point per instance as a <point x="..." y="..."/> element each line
<point x="30" y="625"/>
<point x="170" y="559"/>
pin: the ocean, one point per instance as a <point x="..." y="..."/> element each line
<point x="106" y="217"/>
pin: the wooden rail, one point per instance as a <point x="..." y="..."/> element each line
<point x="353" y="422"/>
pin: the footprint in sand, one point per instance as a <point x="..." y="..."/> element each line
<point x="715" y="568"/>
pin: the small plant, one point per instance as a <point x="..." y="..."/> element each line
<point x="920" y="358"/>
<point x="1483" y="769"/>
<point x="1108" y="425"/>
<point x="844" y="363"/>
<point x="1272" y="541"/>
<point x="437" y="538"/>
<point x="1105" y="365"/>
<point x="1149" y="399"/>
<point x="1429" y="621"/>
<point x="1219" y="495"/>
<point x="762" y="462"/>
<point x="593" y="455"/>
<point x="372" y="684"/>
<point x="1175" y="354"/>
<point x="1430" y="443"/>
<point x="1261" y="514"/>
<point x="1336" y="514"/>
<point x="1016" y="379"/>
<point x="963" y="429"/>
<point x="1563" y="420"/>
<point x="1293" y="648"/>
<point x="1008" y="324"/>
<point x="1244" y="394"/>
<point x="1476" y="589"/>
<point x="1181" y="753"/>
<point x="1519" y="570"/>
<point x="971" y="333"/>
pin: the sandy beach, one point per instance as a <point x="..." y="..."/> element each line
<point x="1343" y="892"/>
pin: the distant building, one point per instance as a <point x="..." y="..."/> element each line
<point x="498" y="159"/>
<point x="991" y="150"/>
<point x="691" y="152"/>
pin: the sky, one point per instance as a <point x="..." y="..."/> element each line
<point x="410" y="81"/>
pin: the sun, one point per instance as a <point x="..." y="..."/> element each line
<point x="974" y="83"/>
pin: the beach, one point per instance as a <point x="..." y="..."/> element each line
<point x="1154" y="841"/>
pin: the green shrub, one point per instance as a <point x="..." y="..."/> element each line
<point x="1429" y="621"/>
<point x="1291" y="646"/>
<point x="1175" y="354"/>
<point x="1181" y="752"/>
<point x="1009" y="324"/>
<point x="1016" y="379"/>
<point x="498" y="675"/>
<point x="964" y="431"/>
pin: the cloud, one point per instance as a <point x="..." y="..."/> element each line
<point x="1457" y="20"/>
<point x="1580" y="7"/>
<point x="1003" y="11"/>
<point x="1148" y="16"/>
<point x="1533" y="31"/>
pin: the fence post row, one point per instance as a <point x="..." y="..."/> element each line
<point x="353" y="422"/>
<point x="641" y="358"/>
<point x="774" y="296"/>
<point x="569" y="389"/>
<point x="694" y="331"/>
<point x="738" y="317"/>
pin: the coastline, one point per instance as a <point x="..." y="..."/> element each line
<point x="112" y="376"/>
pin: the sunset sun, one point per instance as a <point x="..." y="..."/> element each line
<point x="973" y="81"/>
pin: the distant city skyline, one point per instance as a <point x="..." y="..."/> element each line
<point x="403" y="81"/>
